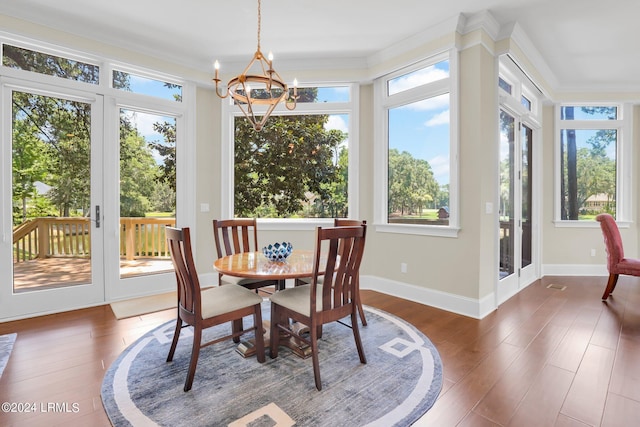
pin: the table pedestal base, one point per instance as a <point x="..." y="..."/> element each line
<point x="299" y="348"/>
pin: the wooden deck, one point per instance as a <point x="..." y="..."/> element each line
<point x="59" y="272"/>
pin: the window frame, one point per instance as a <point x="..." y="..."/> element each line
<point x="623" y="126"/>
<point x="383" y="103"/>
<point x="351" y="108"/>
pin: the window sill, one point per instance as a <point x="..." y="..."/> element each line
<point x="586" y="224"/>
<point x="276" y="224"/>
<point x="418" y="230"/>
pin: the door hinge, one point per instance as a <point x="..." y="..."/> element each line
<point x="97" y="216"/>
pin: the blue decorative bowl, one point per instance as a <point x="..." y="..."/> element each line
<point x="277" y="251"/>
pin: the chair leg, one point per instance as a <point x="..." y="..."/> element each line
<point x="274" y="332"/>
<point x="174" y="343"/>
<point x="259" y="333"/>
<point x="313" y="331"/>
<point x="361" y="312"/>
<point x="356" y="337"/>
<point x="195" y="353"/>
<point x="236" y="326"/>
<point x="611" y="285"/>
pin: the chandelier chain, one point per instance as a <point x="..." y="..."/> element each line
<point x="259" y="24"/>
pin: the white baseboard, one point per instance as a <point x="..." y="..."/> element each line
<point x="443" y="300"/>
<point x="574" y="270"/>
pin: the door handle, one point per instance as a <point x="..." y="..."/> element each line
<point x="97" y="216"/>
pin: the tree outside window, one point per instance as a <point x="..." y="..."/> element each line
<point x="588" y="147"/>
<point x="296" y="166"/>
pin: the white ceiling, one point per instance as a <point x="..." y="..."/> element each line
<point x="587" y="44"/>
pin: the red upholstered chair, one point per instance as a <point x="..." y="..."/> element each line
<point x="616" y="262"/>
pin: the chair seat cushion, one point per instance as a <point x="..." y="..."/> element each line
<point x="628" y="266"/>
<point x="297" y="299"/>
<point x="223" y="299"/>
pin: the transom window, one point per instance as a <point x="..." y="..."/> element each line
<point x="136" y="83"/>
<point x="48" y="64"/>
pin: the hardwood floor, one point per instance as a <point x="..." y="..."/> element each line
<point x="546" y="357"/>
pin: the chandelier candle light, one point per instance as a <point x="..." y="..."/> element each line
<point x="249" y="90"/>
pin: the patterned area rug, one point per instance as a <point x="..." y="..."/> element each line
<point x="399" y="383"/>
<point x="6" y="345"/>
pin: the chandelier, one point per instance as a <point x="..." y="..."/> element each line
<point x="250" y="90"/>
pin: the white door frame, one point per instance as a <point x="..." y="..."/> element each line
<point x="19" y="305"/>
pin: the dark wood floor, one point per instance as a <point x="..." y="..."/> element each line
<point x="546" y="357"/>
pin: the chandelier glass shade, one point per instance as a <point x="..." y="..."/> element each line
<point x="258" y="85"/>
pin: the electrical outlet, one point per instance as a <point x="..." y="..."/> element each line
<point x="593" y="252"/>
<point x="403" y="267"/>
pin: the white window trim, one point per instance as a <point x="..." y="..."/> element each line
<point x="382" y="104"/>
<point x="624" y="127"/>
<point x="229" y="112"/>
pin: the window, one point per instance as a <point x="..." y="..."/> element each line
<point x="297" y="166"/>
<point x="590" y="143"/>
<point x="417" y="145"/>
<point x="52" y="65"/>
<point x="146" y="86"/>
<point x="502" y="84"/>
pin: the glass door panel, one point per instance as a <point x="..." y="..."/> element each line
<point x="506" y="208"/>
<point x="51" y="192"/>
<point x="147" y="191"/>
<point x="527" y="194"/>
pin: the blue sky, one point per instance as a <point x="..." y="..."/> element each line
<point x="422" y="128"/>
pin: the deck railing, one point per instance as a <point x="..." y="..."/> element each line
<point x="70" y="237"/>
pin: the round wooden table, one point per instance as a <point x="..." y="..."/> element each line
<point x="254" y="265"/>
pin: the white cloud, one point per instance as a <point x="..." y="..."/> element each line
<point x="336" y="122"/>
<point x="440" y="167"/>
<point x="438" y="119"/>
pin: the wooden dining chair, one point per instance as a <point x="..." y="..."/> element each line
<point x="343" y="222"/>
<point x="316" y="303"/>
<point x="211" y="307"/>
<point x="234" y="236"/>
<point x="617" y="264"/>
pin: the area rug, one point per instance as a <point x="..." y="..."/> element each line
<point x="143" y="305"/>
<point x="6" y="345"/>
<point x="399" y="383"/>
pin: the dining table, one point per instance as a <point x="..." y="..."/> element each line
<point x="255" y="265"/>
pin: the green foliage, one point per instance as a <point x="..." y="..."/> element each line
<point x="292" y="167"/>
<point x="412" y="186"/>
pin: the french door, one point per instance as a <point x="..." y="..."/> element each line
<point x="51" y="252"/>
<point x="516" y="264"/>
<point x="88" y="187"/>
